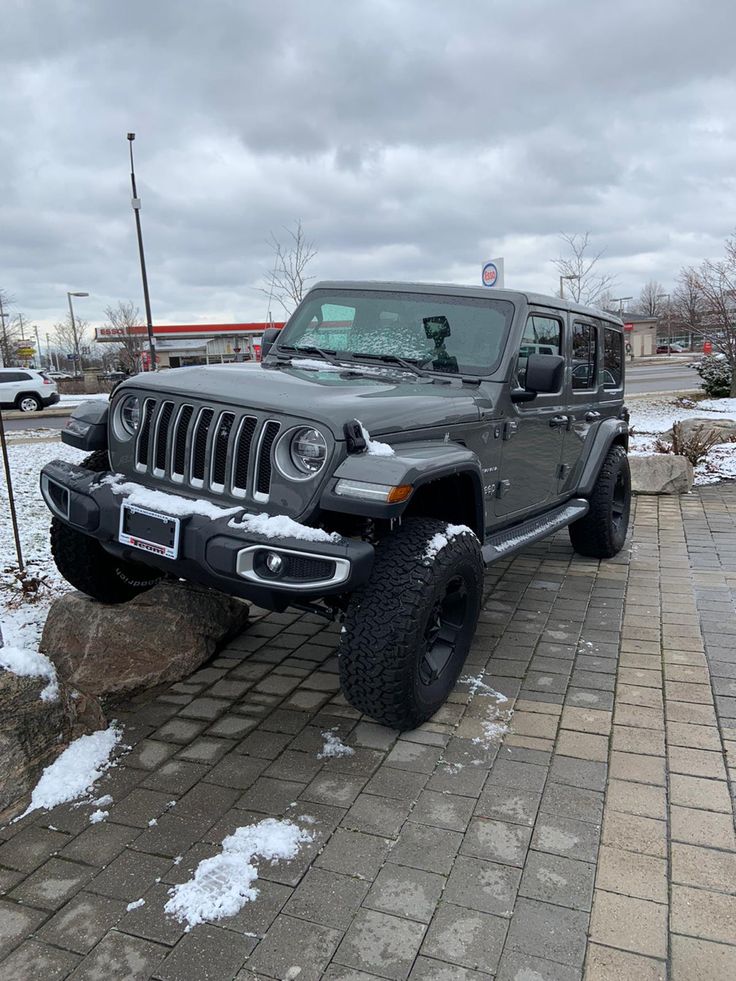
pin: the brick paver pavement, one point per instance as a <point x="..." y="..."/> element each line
<point x="593" y="839"/>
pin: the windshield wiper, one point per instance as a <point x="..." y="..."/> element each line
<point x="323" y="353"/>
<point x="412" y="366"/>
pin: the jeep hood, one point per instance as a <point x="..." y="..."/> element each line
<point x="384" y="400"/>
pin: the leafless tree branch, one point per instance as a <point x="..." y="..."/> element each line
<point x="579" y="267"/>
<point x="287" y="281"/>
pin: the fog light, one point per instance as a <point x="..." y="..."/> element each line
<point x="274" y="563"/>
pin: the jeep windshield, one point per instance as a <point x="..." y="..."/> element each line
<point x="431" y="332"/>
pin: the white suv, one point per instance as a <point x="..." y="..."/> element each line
<point x="26" y="389"/>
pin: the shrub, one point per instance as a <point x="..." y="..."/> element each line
<point x="694" y="447"/>
<point x="716" y="375"/>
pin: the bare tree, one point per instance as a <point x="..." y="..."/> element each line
<point x="122" y="318"/>
<point x="578" y="267"/>
<point x="652" y="299"/>
<point x="688" y="306"/>
<point x="68" y="335"/>
<point x="287" y="281"/>
<point x="715" y="281"/>
<point x="8" y="329"/>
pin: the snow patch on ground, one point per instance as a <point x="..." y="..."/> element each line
<point x="223" y="884"/>
<point x="31" y="664"/>
<point x="135" y="905"/>
<point x="476" y="684"/>
<point x="172" y="504"/>
<point x="496" y="723"/>
<point x="97" y="816"/>
<point x="281" y="526"/>
<point x="333" y="746"/>
<point x="74" y="773"/>
<point x="442" y="539"/>
<point x="652" y="417"/>
<point x="373" y="446"/>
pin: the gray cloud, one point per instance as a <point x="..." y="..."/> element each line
<point x="413" y="139"/>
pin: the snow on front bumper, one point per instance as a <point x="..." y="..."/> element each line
<point x="271" y="560"/>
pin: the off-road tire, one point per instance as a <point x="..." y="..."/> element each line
<point x="597" y="534"/>
<point x="85" y="564"/>
<point x="23" y="403"/>
<point x="384" y="637"/>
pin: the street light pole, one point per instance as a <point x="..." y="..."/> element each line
<point x="75" y="335"/>
<point x="562" y="284"/>
<point x="136" y="202"/>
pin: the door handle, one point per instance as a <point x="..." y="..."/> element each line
<point x="592" y="416"/>
<point x="558" y="422"/>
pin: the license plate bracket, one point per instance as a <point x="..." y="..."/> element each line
<point x="149" y="531"/>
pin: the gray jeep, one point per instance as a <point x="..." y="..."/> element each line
<point x="395" y="438"/>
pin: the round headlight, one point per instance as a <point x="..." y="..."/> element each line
<point x="308" y="451"/>
<point x="130" y="414"/>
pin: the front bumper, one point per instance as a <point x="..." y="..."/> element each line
<point x="210" y="551"/>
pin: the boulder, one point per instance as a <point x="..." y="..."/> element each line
<point x="34" y="732"/>
<point x="160" y="636"/>
<point x="661" y="473"/>
<point x="724" y="429"/>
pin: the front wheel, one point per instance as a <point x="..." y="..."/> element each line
<point x="601" y="533"/>
<point x="407" y="632"/>
<point x="28" y="403"/>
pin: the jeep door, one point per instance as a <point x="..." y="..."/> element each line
<point x="532" y="431"/>
<point x="594" y="390"/>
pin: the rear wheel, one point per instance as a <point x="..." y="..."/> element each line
<point x="85" y="564"/>
<point x="601" y="533"/>
<point x="28" y="403"/>
<point x="407" y="632"/>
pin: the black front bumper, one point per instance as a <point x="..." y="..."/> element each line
<point x="210" y="551"/>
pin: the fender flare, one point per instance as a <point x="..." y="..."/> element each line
<point x="87" y="428"/>
<point x="610" y="431"/>
<point x="416" y="464"/>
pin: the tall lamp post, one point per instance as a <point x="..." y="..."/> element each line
<point x="75" y="335"/>
<point x="136" y="202"/>
<point x="562" y="284"/>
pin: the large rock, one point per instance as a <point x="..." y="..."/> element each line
<point x="723" y="429"/>
<point x="661" y="473"/>
<point x="160" y="636"/>
<point x="34" y="732"/>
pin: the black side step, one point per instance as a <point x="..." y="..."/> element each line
<point x="513" y="539"/>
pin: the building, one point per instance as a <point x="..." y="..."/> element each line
<point x="640" y="334"/>
<point x="178" y="345"/>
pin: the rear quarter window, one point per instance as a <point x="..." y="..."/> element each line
<point x="613" y="358"/>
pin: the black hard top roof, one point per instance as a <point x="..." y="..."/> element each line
<point x="451" y="289"/>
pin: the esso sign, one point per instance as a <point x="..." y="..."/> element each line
<point x="489" y="276"/>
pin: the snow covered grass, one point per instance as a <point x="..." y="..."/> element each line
<point x="21" y="621"/>
<point x="651" y="417"/>
<point x="333" y="746"/>
<point x="74" y="773"/>
<point x="223" y="884"/>
<point x="441" y="539"/>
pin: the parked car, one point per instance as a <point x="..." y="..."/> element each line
<point x="369" y="482"/>
<point x="58" y="375"/>
<point x="584" y="373"/>
<point x="670" y="349"/>
<point x="26" y="389"/>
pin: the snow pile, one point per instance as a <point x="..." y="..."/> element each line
<point x="97" y="816"/>
<point x="223" y="884"/>
<point x="171" y="504"/>
<point x="333" y="746"/>
<point x="373" y="446"/>
<point x="31" y="664"/>
<point x="281" y="526"/>
<point x="74" y="772"/>
<point x="441" y="539"/>
<point x="720" y="464"/>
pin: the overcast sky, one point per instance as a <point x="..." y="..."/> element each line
<point x="413" y="139"/>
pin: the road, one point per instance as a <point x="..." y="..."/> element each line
<point x="35" y="422"/>
<point x="660" y="378"/>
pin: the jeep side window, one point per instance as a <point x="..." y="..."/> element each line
<point x="583" y="356"/>
<point x="542" y="335"/>
<point x="613" y="357"/>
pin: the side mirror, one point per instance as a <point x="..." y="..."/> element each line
<point x="269" y="336"/>
<point x="544" y="373"/>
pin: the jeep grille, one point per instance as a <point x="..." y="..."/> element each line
<point x="203" y="447"/>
